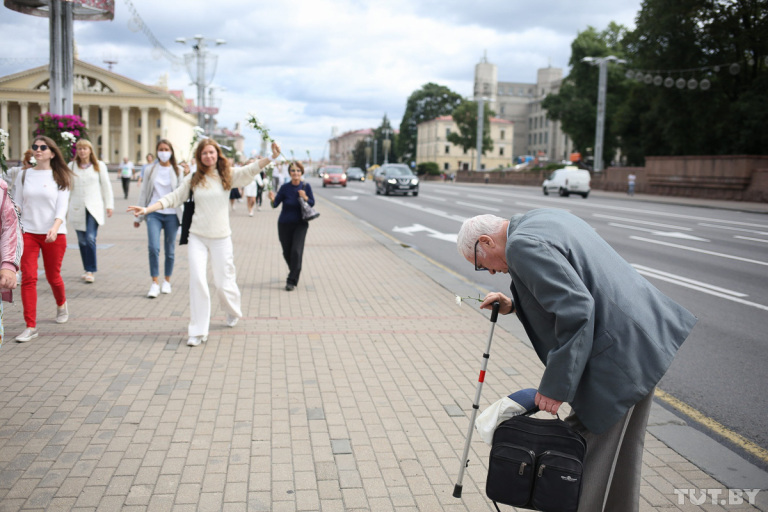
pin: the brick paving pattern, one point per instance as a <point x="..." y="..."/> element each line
<point x="337" y="396"/>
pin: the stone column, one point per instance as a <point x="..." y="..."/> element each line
<point x="163" y="123"/>
<point x="124" y="128"/>
<point x="86" y="115"/>
<point x="144" y="131"/>
<point x="105" y="149"/>
<point x="4" y="125"/>
<point x="24" y="115"/>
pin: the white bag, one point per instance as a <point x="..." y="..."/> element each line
<point x="502" y="410"/>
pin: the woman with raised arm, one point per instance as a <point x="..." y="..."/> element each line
<point x="209" y="233"/>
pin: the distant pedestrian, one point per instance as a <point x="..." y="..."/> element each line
<point x="126" y="175"/>
<point x="209" y="233"/>
<point x="631" y="183"/>
<point x="90" y="196"/>
<point x="150" y="160"/>
<point x="11" y="248"/>
<point x="161" y="178"/>
<point x="252" y="191"/>
<point x="42" y="193"/>
<point x="291" y="227"/>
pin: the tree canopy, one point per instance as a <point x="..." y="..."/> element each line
<point x="424" y="104"/>
<point x="379" y="135"/>
<point x="465" y="117"/>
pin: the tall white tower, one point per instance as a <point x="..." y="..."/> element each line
<point x="486" y="81"/>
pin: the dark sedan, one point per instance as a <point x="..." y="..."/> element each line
<point x="395" y="179"/>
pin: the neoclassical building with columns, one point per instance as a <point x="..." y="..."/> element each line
<point x="123" y="117"/>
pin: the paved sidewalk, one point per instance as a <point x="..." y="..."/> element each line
<point x="351" y="393"/>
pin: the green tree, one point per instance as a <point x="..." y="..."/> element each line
<point x="465" y="117"/>
<point x="358" y="154"/>
<point x="424" y="104"/>
<point x="575" y="106"/>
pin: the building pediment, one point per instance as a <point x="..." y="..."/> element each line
<point x="82" y="83"/>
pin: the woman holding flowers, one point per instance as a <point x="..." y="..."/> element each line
<point x="42" y="193"/>
<point x="91" y="195"/>
<point x="210" y="233"/>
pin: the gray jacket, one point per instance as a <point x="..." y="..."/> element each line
<point x="148" y="186"/>
<point x="604" y="333"/>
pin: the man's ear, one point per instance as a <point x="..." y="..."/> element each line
<point x="487" y="241"/>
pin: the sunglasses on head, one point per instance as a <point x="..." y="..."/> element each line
<point x="41" y="147"/>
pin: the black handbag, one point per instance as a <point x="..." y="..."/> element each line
<point x="536" y="464"/>
<point x="186" y="218"/>
<point x="307" y="212"/>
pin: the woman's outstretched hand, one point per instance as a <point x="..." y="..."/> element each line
<point x="275" y="150"/>
<point x="137" y="210"/>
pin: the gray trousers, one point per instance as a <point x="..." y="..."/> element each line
<point x="612" y="465"/>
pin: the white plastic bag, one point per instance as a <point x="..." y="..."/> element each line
<point x="494" y="414"/>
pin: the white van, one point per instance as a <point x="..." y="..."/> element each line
<point x="566" y="181"/>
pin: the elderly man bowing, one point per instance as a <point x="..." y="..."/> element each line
<point x="605" y="335"/>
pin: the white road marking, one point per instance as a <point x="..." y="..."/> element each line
<point x="669" y="234"/>
<point x="733" y="229"/>
<point x="654" y="271"/>
<point x="425" y="209"/>
<point x="750" y="238"/>
<point x="645" y="222"/>
<point x="346" y="198"/>
<point x="416" y="228"/>
<point x="485" y="198"/>
<point x="479" y="206"/>
<point x="711" y="253"/>
<point x="535" y="205"/>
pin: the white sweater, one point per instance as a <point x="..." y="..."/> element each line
<point x="41" y="202"/>
<point x="91" y="191"/>
<point x="211" y="218"/>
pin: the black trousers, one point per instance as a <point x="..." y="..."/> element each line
<point x="126" y="185"/>
<point x="292" y="236"/>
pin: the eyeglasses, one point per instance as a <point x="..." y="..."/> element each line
<point x="41" y="147"/>
<point x="295" y="170"/>
<point x="479" y="269"/>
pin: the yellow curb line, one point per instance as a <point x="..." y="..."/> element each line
<point x="737" y="439"/>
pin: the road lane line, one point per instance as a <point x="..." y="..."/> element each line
<point x="479" y="206"/>
<point x="645" y="222"/>
<point x="485" y="198"/>
<point x="703" y="251"/>
<point x="733" y="229"/>
<point x="750" y="238"/>
<point x="446" y="192"/>
<point x="535" y="205"/>
<point x="416" y="206"/>
<point x="704" y="290"/>
<point x="687" y="280"/>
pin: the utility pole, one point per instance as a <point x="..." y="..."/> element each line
<point x="205" y="68"/>
<point x="386" y="143"/>
<point x="480" y="120"/>
<point x="602" y="86"/>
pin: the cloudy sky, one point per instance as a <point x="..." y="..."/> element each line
<point x="306" y="67"/>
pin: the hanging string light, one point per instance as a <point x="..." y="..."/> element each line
<point x="657" y="78"/>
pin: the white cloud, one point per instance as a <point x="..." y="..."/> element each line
<point x="305" y="66"/>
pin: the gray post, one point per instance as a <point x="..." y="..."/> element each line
<point x="480" y="116"/>
<point x="375" y="157"/>
<point x="600" y="127"/>
<point x="61" y="66"/>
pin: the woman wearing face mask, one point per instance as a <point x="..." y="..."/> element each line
<point x="91" y="194"/>
<point x="210" y="234"/>
<point x="161" y="178"/>
<point x="42" y="193"/>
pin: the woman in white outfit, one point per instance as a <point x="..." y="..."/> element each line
<point x="251" y="191"/>
<point x="210" y="232"/>
<point x="90" y="196"/>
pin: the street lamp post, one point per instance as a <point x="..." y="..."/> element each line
<point x="213" y="106"/>
<point x="480" y="120"/>
<point x="367" y="152"/>
<point x="375" y="154"/>
<point x="602" y="62"/>
<point x="386" y="143"/>
<point x="204" y="62"/>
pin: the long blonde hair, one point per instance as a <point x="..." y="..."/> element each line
<point x="92" y="159"/>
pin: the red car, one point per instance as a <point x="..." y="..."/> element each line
<point x="333" y="175"/>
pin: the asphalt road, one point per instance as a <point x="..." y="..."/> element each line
<point x="712" y="261"/>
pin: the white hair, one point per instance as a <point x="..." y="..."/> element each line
<point x="474" y="228"/>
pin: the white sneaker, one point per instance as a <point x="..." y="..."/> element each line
<point x="166" y="288"/>
<point x="154" y="291"/>
<point x="194" y="341"/>
<point x="62" y="314"/>
<point x="232" y="320"/>
<point x="27" y="334"/>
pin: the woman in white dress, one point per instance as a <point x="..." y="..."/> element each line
<point x="251" y="191"/>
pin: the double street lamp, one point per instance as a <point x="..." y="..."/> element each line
<point x="386" y="143"/>
<point x="205" y="68"/>
<point x="602" y="62"/>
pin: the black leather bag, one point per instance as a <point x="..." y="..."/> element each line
<point x="307" y="212"/>
<point x="536" y="464"/>
<point x="186" y="218"/>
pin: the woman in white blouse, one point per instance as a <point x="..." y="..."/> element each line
<point x="210" y="232"/>
<point x="90" y="196"/>
<point x="42" y="193"/>
<point x="160" y="178"/>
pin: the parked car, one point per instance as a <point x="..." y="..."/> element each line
<point x="334" y="175"/>
<point x="568" y="180"/>
<point x="395" y="179"/>
<point x="355" y="173"/>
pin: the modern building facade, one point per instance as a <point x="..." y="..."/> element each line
<point x="123" y="117"/>
<point x="520" y="103"/>
<point x="432" y="145"/>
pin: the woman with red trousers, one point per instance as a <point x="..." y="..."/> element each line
<point x="42" y="194"/>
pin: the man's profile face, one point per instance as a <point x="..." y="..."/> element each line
<point x="490" y="256"/>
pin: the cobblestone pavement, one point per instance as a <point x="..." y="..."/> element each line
<point x="351" y="393"/>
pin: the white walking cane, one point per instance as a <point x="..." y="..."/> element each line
<point x="476" y="404"/>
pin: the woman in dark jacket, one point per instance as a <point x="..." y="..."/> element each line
<point x="291" y="228"/>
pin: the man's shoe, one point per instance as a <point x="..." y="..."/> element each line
<point x="62" y="314"/>
<point x="166" y="287"/>
<point x="290" y="287"/>
<point x="232" y="320"/>
<point x="27" y="334"/>
<point x="88" y="277"/>
<point x="194" y="341"/>
<point x="154" y="291"/>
